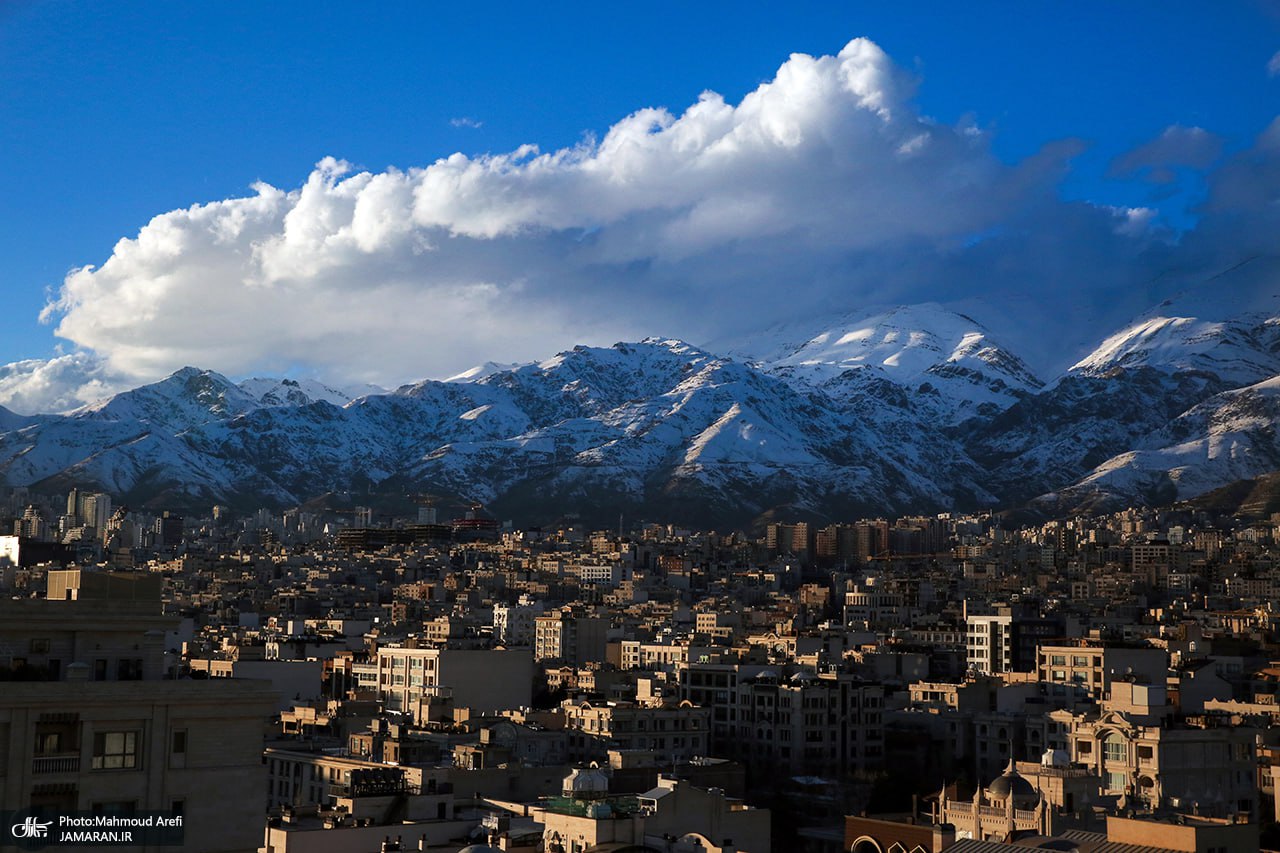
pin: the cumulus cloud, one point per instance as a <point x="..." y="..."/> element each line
<point x="822" y="190"/>
<point x="665" y="221"/>
<point x="58" y="384"/>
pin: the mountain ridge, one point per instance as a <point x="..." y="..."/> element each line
<point x="887" y="410"/>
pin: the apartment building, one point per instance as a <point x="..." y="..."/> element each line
<point x="1089" y="666"/>
<point x="481" y="679"/>
<point x="110" y="734"/>
<point x="674" y="731"/>
<point x="802" y="722"/>
<point x="570" y="635"/>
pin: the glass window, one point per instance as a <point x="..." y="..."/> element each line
<point x="1113" y="748"/>
<point x="115" y="750"/>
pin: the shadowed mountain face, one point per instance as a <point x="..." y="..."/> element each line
<point x="914" y="408"/>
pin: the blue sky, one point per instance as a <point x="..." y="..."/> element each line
<point x="111" y="114"/>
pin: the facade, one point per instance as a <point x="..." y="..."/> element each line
<point x="675" y="732"/>
<point x="802" y="723"/>
<point x="188" y="747"/>
<point x="481" y="679"/>
<point x="570" y="636"/>
<point x="1139" y="752"/>
<point x="1088" y="667"/>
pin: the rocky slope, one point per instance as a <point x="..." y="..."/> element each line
<point x="910" y="408"/>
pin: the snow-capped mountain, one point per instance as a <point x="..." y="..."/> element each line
<point x="948" y="362"/>
<point x="300" y="392"/>
<point x="1229" y="437"/>
<point x="910" y="408"/>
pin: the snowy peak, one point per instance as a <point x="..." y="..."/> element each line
<point x="302" y="392"/>
<point x="1239" y="351"/>
<point x="1228" y="437"/>
<point x="482" y="371"/>
<point x="188" y="397"/>
<point x="948" y="357"/>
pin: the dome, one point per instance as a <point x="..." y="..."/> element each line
<point x="480" y="848"/>
<point x="1010" y="783"/>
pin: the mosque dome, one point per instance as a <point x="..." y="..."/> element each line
<point x="1012" y="784"/>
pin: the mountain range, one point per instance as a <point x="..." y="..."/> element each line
<point x="883" y="411"/>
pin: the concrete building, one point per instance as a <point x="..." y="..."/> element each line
<point x="802" y="723"/>
<point x="1088" y="667"/>
<point x="570" y="635"/>
<point x="107" y="734"/>
<point x="484" y="680"/>
<point x="677" y="732"/>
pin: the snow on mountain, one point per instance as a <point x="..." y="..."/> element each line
<point x="300" y="392"/>
<point x="950" y="360"/>
<point x="482" y="371"/>
<point x="188" y="397"/>
<point x="1228" y="437"/>
<point x="888" y="410"/>
<point x="720" y="438"/>
<point x="1238" y="351"/>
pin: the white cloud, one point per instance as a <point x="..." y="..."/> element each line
<point x="822" y="190"/>
<point x="466" y="121"/>
<point x="1273" y="65"/>
<point x="426" y="271"/>
<point x="58" y="384"/>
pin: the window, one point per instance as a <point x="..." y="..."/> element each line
<point x="115" y="751"/>
<point x="1113" y="748"/>
<point x="178" y="748"/>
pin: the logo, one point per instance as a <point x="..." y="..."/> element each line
<point x="31" y="828"/>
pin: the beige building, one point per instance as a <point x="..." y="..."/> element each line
<point x="107" y="733"/>
<point x="1089" y="666"/>
<point x="484" y="680"/>
<point x="570" y="636"/>
<point x="187" y="747"/>
<point x="1139" y="750"/>
<point x="1009" y="805"/>
<point x="678" y="732"/>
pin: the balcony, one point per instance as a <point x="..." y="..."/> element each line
<point x="64" y="762"/>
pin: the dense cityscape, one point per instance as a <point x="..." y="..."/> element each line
<point x="355" y="682"/>
<point x="724" y="427"/>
